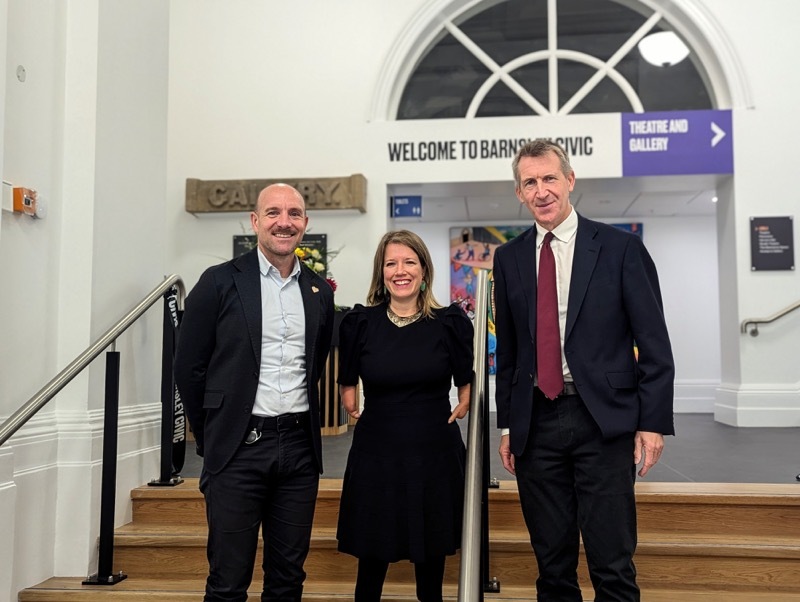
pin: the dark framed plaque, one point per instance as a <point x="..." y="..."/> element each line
<point x="242" y="243"/>
<point x="771" y="243"/>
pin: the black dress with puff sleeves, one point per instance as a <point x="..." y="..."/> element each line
<point x="403" y="489"/>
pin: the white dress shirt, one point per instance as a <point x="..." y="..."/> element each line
<point x="563" y="246"/>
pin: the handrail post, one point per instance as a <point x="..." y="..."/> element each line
<point x="490" y="584"/>
<point x="470" y="586"/>
<point x="108" y="487"/>
<point x="173" y="417"/>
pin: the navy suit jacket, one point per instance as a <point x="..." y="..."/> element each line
<point x="218" y="356"/>
<point x="614" y="301"/>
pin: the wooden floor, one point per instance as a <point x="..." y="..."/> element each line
<point x="713" y="542"/>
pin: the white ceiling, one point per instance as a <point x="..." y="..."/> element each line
<point x="659" y="196"/>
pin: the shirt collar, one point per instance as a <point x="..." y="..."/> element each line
<point x="267" y="269"/>
<point x="564" y="231"/>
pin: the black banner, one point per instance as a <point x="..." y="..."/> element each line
<point x="178" y="414"/>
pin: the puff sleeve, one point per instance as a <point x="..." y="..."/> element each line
<point x="459" y="338"/>
<point x="352" y="335"/>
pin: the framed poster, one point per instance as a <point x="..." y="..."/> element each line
<point x="771" y="243"/>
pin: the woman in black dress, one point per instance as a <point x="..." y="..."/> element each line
<point x="403" y="490"/>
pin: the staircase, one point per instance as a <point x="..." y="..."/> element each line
<point x="710" y="542"/>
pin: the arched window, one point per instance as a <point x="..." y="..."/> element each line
<point x="554" y="57"/>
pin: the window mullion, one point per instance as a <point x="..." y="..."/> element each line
<point x="610" y="64"/>
<point x="552" y="60"/>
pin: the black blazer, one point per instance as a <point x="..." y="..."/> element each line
<point x="614" y="300"/>
<point x="218" y="356"/>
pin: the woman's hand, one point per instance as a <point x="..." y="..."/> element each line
<point x="459" y="411"/>
<point x="463" y="404"/>
<point x="350" y="401"/>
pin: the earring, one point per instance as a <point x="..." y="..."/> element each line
<point x="423" y="286"/>
<point x="385" y="292"/>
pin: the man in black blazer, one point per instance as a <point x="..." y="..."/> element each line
<point x="575" y="449"/>
<point x="253" y="341"/>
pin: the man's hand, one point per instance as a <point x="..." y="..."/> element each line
<point x="506" y="456"/>
<point x="648" y="446"/>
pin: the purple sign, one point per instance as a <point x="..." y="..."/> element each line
<point x="677" y="142"/>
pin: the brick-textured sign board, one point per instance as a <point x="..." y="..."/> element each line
<point x="220" y="196"/>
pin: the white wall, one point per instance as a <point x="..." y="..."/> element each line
<point x="28" y="305"/>
<point x="7" y="486"/>
<point x="87" y="130"/>
<point x="239" y="108"/>
<point x="760" y="375"/>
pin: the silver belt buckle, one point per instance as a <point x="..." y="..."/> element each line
<point x="252" y="437"/>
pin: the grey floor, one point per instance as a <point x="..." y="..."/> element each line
<point x="703" y="451"/>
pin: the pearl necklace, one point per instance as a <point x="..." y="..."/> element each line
<point x="401" y="321"/>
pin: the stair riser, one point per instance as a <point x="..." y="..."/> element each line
<point x="514" y="565"/>
<point x="726" y="521"/>
<point x="653" y="518"/>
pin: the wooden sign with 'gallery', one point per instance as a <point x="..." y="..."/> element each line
<point x="219" y="196"/>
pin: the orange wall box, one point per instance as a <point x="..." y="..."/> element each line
<point x="25" y="200"/>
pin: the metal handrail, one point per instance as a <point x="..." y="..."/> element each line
<point x="51" y="389"/>
<point x="470" y="586"/>
<point x="756" y="321"/>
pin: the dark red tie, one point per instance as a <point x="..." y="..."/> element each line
<point x="548" y="337"/>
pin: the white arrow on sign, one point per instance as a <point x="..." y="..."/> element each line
<point x="719" y="134"/>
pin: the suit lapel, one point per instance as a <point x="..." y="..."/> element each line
<point x="248" y="285"/>
<point x="526" y="267"/>
<point x="311" y="301"/>
<point x="587" y="250"/>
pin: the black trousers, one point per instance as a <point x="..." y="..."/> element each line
<point x="270" y="486"/>
<point x="372" y="574"/>
<point x="573" y="484"/>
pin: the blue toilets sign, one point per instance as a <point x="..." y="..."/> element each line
<point x="677" y="142"/>
<point x="407" y="206"/>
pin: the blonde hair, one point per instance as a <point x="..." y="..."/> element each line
<point x="378" y="293"/>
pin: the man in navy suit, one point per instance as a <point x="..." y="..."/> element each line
<point x="575" y="449"/>
<point x="253" y="342"/>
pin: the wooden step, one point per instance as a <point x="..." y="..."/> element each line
<point x="694" y="508"/>
<point x="184" y="504"/>
<point x="754" y="561"/>
<point x="136" y="589"/>
<point x="713" y="542"/>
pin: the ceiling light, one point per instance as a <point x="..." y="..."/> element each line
<point x="714" y="199"/>
<point x="663" y="49"/>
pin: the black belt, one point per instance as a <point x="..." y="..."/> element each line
<point x="284" y="422"/>
<point x="569" y="389"/>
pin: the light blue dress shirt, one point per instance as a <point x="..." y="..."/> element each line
<point x="282" y="378"/>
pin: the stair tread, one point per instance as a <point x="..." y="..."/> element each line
<point x="505" y="535"/>
<point x="60" y="588"/>
<point x="647" y="491"/>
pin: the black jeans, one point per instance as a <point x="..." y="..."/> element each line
<point x="573" y="483"/>
<point x="270" y="485"/>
